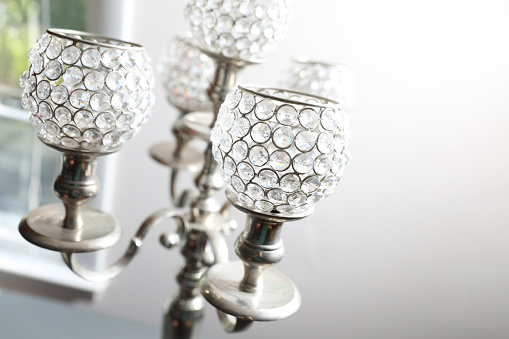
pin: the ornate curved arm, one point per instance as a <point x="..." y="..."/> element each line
<point x="232" y="324"/>
<point x="182" y="199"/>
<point x="115" y="269"/>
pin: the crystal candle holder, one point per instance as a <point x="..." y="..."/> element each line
<point x="280" y="150"/>
<point x="85" y="92"/>
<point x="244" y="30"/>
<point x="86" y="95"/>
<point x="329" y="80"/>
<point x="187" y="73"/>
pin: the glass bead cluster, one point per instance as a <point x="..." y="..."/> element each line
<point x="187" y="73"/>
<point x="333" y="81"/>
<point x="280" y="151"/>
<point x="87" y="97"/>
<point x="238" y="29"/>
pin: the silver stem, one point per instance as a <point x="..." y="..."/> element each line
<point x="259" y="246"/>
<point x="76" y="185"/>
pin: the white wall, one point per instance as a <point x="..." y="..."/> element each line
<point x="414" y="243"/>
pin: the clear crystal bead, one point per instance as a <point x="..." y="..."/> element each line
<point x="225" y="40"/>
<point x="59" y="94"/>
<point x="115" y="81"/>
<point x="328" y="182"/>
<point x="45" y="111"/>
<point x="290" y="182"/>
<point x="43" y="42"/>
<point x="229" y="166"/>
<point x="280" y="160"/>
<point x="92" y="135"/>
<point x="92" y="57"/>
<point x="54" y="49"/>
<point x="310" y="184"/>
<point x="308" y="118"/>
<point x="73" y="76"/>
<point x="277" y="196"/>
<point x="325" y="142"/>
<point x="260" y="132"/>
<point x="322" y="164"/>
<point x="225" y="142"/>
<point x="227" y="120"/>
<point x="264" y="110"/>
<point x="37" y="64"/>
<point x="245" y="171"/>
<point x="32" y="105"/>
<point x="241" y="27"/>
<point x="51" y="128"/>
<point x="195" y="17"/>
<point x="258" y="155"/>
<point x="31" y="84"/>
<point x="244" y="200"/>
<point x="287" y="115"/>
<point x="338" y="163"/>
<point x="83" y="119"/>
<point x="239" y="150"/>
<point x="124" y="121"/>
<point x="53" y="70"/>
<point x="238" y="184"/>
<point x="264" y="206"/>
<point x="105" y="121"/>
<point x="128" y="59"/>
<point x="71" y="131"/>
<point x="286" y="209"/>
<point x="233" y="99"/>
<point x="112" y="138"/>
<point x="329" y="119"/>
<point x="79" y="98"/>
<point x="240" y="127"/>
<point x="224" y="24"/>
<point x="267" y="178"/>
<point x="69" y="143"/>
<point x="110" y="58"/>
<point x="71" y="55"/>
<point x="63" y="115"/>
<point x="247" y="103"/>
<point x="100" y="102"/>
<point x="283" y="137"/>
<point x="119" y="101"/>
<point x="297" y="199"/>
<point x="303" y="163"/>
<point x="254" y="191"/>
<point x="209" y="19"/>
<point x="132" y="80"/>
<point x="94" y="81"/>
<point x="305" y="140"/>
<point x="43" y="90"/>
<point x="36" y="122"/>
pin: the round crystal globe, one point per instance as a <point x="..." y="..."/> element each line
<point x="86" y="92"/>
<point x="187" y="74"/>
<point x="333" y="81"/>
<point x="280" y="151"/>
<point x="242" y="30"/>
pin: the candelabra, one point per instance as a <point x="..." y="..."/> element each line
<point x="278" y="151"/>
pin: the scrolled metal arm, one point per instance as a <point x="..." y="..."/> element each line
<point x="233" y="324"/>
<point x="118" y="267"/>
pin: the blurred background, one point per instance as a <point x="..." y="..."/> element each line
<point x="413" y="243"/>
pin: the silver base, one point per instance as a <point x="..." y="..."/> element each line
<point x="278" y="299"/>
<point x="44" y="227"/>
<point x="164" y="153"/>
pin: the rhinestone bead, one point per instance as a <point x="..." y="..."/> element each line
<point x="59" y="94"/>
<point x="258" y="155"/>
<point x="94" y="81"/>
<point x="53" y="70"/>
<point x="79" y="98"/>
<point x="71" y="55"/>
<point x="260" y="132"/>
<point x="91" y="58"/>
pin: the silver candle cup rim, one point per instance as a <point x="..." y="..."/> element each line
<point x="256" y="90"/>
<point x="68" y="35"/>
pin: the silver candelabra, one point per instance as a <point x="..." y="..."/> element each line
<point x="278" y="151"/>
